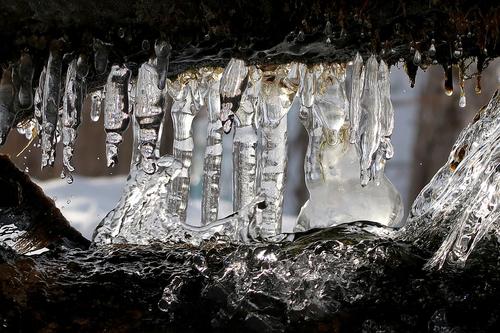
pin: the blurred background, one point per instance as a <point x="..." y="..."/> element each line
<point x="427" y="123"/>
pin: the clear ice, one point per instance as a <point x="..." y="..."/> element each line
<point x="149" y="111"/>
<point x="332" y="166"/>
<point x="460" y="205"/>
<point x="116" y="110"/>
<point x="276" y="96"/>
<point x="140" y="216"/>
<point x="50" y="104"/>
<point x="183" y="112"/>
<point x="210" y="81"/>
<point x="74" y="95"/>
<point x="232" y="84"/>
<point x="245" y="142"/>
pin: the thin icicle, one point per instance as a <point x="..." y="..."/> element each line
<point x="232" y="84"/>
<point x="213" y="151"/>
<point x="276" y="99"/>
<point x="38" y="100"/>
<point x="149" y="112"/>
<point x="25" y="71"/>
<point x="7" y="112"/>
<point x="162" y="51"/>
<point x="385" y="150"/>
<point x="356" y="90"/>
<point x="369" y="129"/>
<point x="50" y="104"/>
<point x="116" y="116"/>
<point x="74" y="95"/>
<point x="245" y="143"/>
<point x="183" y="114"/>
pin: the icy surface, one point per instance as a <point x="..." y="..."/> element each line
<point x="140" y="217"/>
<point x="461" y="202"/>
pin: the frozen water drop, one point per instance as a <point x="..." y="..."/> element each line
<point x="417" y="58"/>
<point x="462" y="102"/>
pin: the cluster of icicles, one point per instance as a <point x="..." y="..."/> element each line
<point x="251" y="101"/>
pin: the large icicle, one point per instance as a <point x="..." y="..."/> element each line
<point x="277" y="97"/>
<point x="50" y="103"/>
<point x="331" y="163"/>
<point x="74" y="95"/>
<point x="149" y="112"/>
<point x="245" y="143"/>
<point x="38" y="100"/>
<point x="162" y="51"/>
<point x="357" y="83"/>
<point x="369" y="126"/>
<point x="183" y="114"/>
<point x="7" y="112"/>
<point x="116" y="116"/>
<point x="213" y="151"/>
<point x="25" y="72"/>
<point x="232" y="84"/>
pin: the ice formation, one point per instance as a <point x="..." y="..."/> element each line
<point x="332" y="167"/>
<point x="210" y="81"/>
<point x="116" y="110"/>
<point x="461" y="202"/>
<point x="50" y="104"/>
<point x="74" y="94"/>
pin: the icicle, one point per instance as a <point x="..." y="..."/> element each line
<point x="332" y="163"/>
<point x="50" y="104"/>
<point x="101" y="53"/>
<point x="432" y="49"/>
<point x="149" y="111"/>
<point x="312" y="124"/>
<point x="369" y="129"/>
<point x="25" y="70"/>
<point x="116" y="116"/>
<point x="73" y="98"/>
<point x="7" y="113"/>
<point x="448" y="80"/>
<point x="245" y="143"/>
<point x="162" y="51"/>
<point x="461" y="78"/>
<point x="276" y="99"/>
<point x="182" y="116"/>
<point x="385" y="150"/>
<point x="38" y="100"/>
<point x="356" y="89"/>
<point x="232" y="84"/>
<point x="213" y="151"/>
<point x="96" y="105"/>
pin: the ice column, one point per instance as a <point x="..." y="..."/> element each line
<point x="232" y="84"/>
<point x="332" y="165"/>
<point x="183" y="113"/>
<point x="356" y="90"/>
<point x="116" y="111"/>
<point x="149" y="112"/>
<point x="210" y="77"/>
<point x="245" y="142"/>
<point x="276" y="98"/>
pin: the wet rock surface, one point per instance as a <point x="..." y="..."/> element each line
<point x="348" y="278"/>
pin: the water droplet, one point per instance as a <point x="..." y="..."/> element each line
<point x="417" y="58"/>
<point x="68" y="201"/>
<point x="300" y="36"/>
<point x="458" y="53"/>
<point x="121" y="33"/>
<point x="448" y="80"/>
<point x="462" y="102"/>
<point x="26" y="169"/>
<point x="432" y="50"/>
